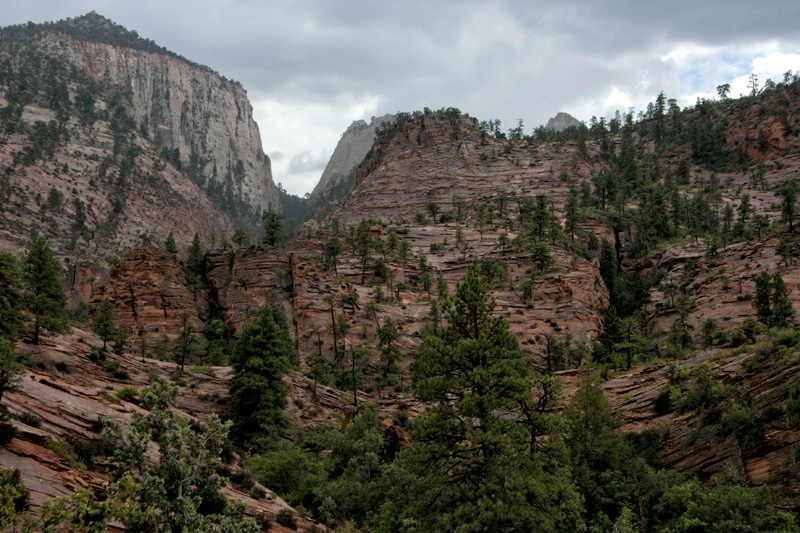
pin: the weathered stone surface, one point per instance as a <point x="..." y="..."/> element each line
<point x="68" y="393"/>
<point x="185" y="106"/>
<point x="694" y="441"/>
<point x="161" y="201"/>
<point x="720" y="287"/>
<point x="149" y="292"/>
<point x="355" y="143"/>
<point x="432" y="161"/>
<point x="562" y="121"/>
<point x="242" y="282"/>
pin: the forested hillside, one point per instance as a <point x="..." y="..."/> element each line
<point x="585" y="330"/>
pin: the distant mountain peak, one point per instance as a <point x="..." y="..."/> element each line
<point x="562" y="121"/>
<point x="354" y="144"/>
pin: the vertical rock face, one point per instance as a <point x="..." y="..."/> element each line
<point x="355" y="143"/>
<point x="149" y="292"/>
<point x="184" y="107"/>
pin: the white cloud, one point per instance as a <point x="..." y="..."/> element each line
<point x="313" y="67"/>
<point x="300" y="136"/>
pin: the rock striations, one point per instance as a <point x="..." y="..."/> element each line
<point x="182" y="106"/>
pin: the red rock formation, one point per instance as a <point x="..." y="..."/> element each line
<point x="149" y="292"/>
<point x="67" y="394"/>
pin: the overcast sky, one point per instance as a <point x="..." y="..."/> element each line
<point x="311" y="67"/>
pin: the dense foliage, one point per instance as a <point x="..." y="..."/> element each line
<point x="263" y="353"/>
<point x="493" y="449"/>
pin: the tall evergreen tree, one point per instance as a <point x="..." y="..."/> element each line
<point x="11" y="296"/>
<point x="388" y="335"/>
<point x="598" y="451"/>
<point x="472" y="452"/>
<point x="788" y="193"/>
<point x="762" y="301"/>
<point x="187" y="345"/>
<point x="361" y="246"/>
<point x="45" y="297"/>
<point x="170" y="246"/>
<point x="103" y="323"/>
<point x="331" y="250"/>
<point x="195" y="255"/>
<point x="273" y="225"/>
<point x="782" y="310"/>
<point x="261" y="356"/>
<point x="571" y="213"/>
<point x="240" y="237"/>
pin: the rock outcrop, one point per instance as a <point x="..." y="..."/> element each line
<point x="206" y="118"/>
<point x="60" y="402"/>
<point x="450" y="163"/>
<point x="562" y="121"/>
<point x="149" y="292"/>
<point x="355" y="143"/>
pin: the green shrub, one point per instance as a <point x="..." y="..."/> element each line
<point x="97" y="356"/>
<point x="793" y="404"/>
<point x="127" y="393"/>
<point x="30" y="419"/>
<point x="14" y="497"/>
<point x="286" y="518"/>
<point x="7" y="429"/>
<point x="205" y="370"/>
<point x="742" y="421"/>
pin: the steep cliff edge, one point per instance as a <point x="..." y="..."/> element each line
<point x="180" y="105"/>
<point x="355" y="143"/>
<point x="109" y="142"/>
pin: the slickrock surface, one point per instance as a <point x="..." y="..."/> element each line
<point x="68" y="393"/>
<point x="432" y="162"/>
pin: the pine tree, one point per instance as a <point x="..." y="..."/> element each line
<point x="11" y="297"/>
<point x="261" y="356"/>
<point x="331" y="250"/>
<point x="11" y="369"/>
<point x="194" y="256"/>
<point x="788" y="193"/>
<point x="170" y="246"/>
<point x="187" y="345"/>
<point x="388" y="335"/>
<point x="273" y="225"/>
<point x="598" y="451"/>
<point x="772" y="303"/>
<point x="240" y="237"/>
<point x="45" y="295"/>
<point x="782" y="310"/>
<point x="762" y="301"/>
<point x="477" y="470"/>
<point x="784" y="250"/>
<point x="571" y="213"/>
<point x="103" y="323"/>
<point x="361" y="246"/>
